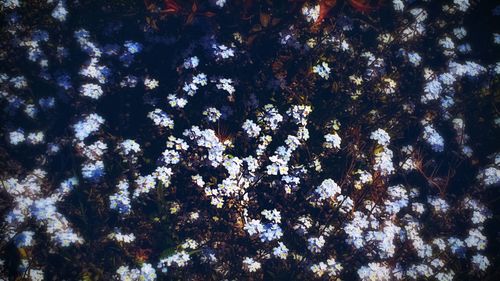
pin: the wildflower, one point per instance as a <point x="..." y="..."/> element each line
<point x="91" y="90"/>
<point x="120" y="237"/>
<point x="250" y="265"/>
<point x="439" y="205"/>
<point x="311" y="13"/>
<point x="323" y="70"/>
<point x="222" y="51"/>
<point x="220" y="3"/>
<point x="161" y="119"/>
<point x="226" y="85"/>
<point x="381" y="136"/>
<point x="17" y="137"/>
<point x="179" y="259"/>
<point x="35" y="138"/>
<point x="212" y="114"/>
<point x="480" y="262"/>
<point x="145" y="273"/>
<point x="383" y="162"/>
<point x="60" y="12"/>
<point x="280" y="251"/>
<point x="476" y="239"/>
<point x="144" y="184"/>
<point x="460" y="32"/>
<point x="398" y="5"/>
<point x="93" y="171"/>
<point x="191" y="62"/>
<point x="129" y="147"/>
<point x="10" y="4"/>
<point x="133" y="47"/>
<point x="433" y="138"/>
<point x="374" y="271"/>
<point x="151" y="84"/>
<point x="252" y="129"/>
<point x="315" y="244"/>
<point x="120" y="201"/>
<point x="174" y="101"/>
<point x="24" y="239"/>
<point x="414" y="58"/>
<point x="461" y="5"/>
<point x="489" y="176"/>
<point x="87" y="126"/>
<point x="432" y="90"/>
<point x="327" y="190"/>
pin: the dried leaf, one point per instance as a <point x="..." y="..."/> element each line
<point x="264" y="19"/>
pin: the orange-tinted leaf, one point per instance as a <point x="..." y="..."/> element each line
<point x="264" y="19"/>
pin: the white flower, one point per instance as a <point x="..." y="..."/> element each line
<point x="332" y="141"/>
<point x="280" y="251"/>
<point x="120" y="201"/>
<point x="381" y="136"/>
<point x="323" y="70"/>
<point x="252" y="129"/>
<point x="91" y="90"/>
<point x="462" y="5"/>
<point x="311" y="13"/>
<point x="35" y="138"/>
<point x="398" y="5"/>
<point x="222" y="51"/>
<point x="480" y="262"/>
<point x="383" y="162"/>
<point x="151" y="83"/>
<point x="145" y="273"/>
<point x="93" y="170"/>
<point x="120" y="237"/>
<point x="191" y="62"/>
<point x="414" y="58"/>
<point x="489" y="176"/>
<point x="226" y="85"/>
<point x="327" y="190"/>
<point x="180" y="259"/>
<point x="161" y="119"/>
<point x="60" y="12"/>
<point x="374" y="272"/>
<point x="16" y="137"/>
<point x="460" y="32"/>
<point x="212" y="114"/>
<point x="10" y="4"/>
<point x="476" y="239"/>
<point x="24" y="239"/>
<point x="254" y="227"/>
<point x="87" y="126"/>
<point x="220" y="3"/>
<point x="433" y="138"/>
<point x="432" y="91"/>
<point x="250" y="265"/>
<point x="438" y="205"/>
<point x="315" y="244"/>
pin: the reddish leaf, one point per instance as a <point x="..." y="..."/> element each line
<point x="324" y="7"/>
<point x="209" y="14"/>
<point x="172" y="6"/>
<point x="364" y="6"/>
